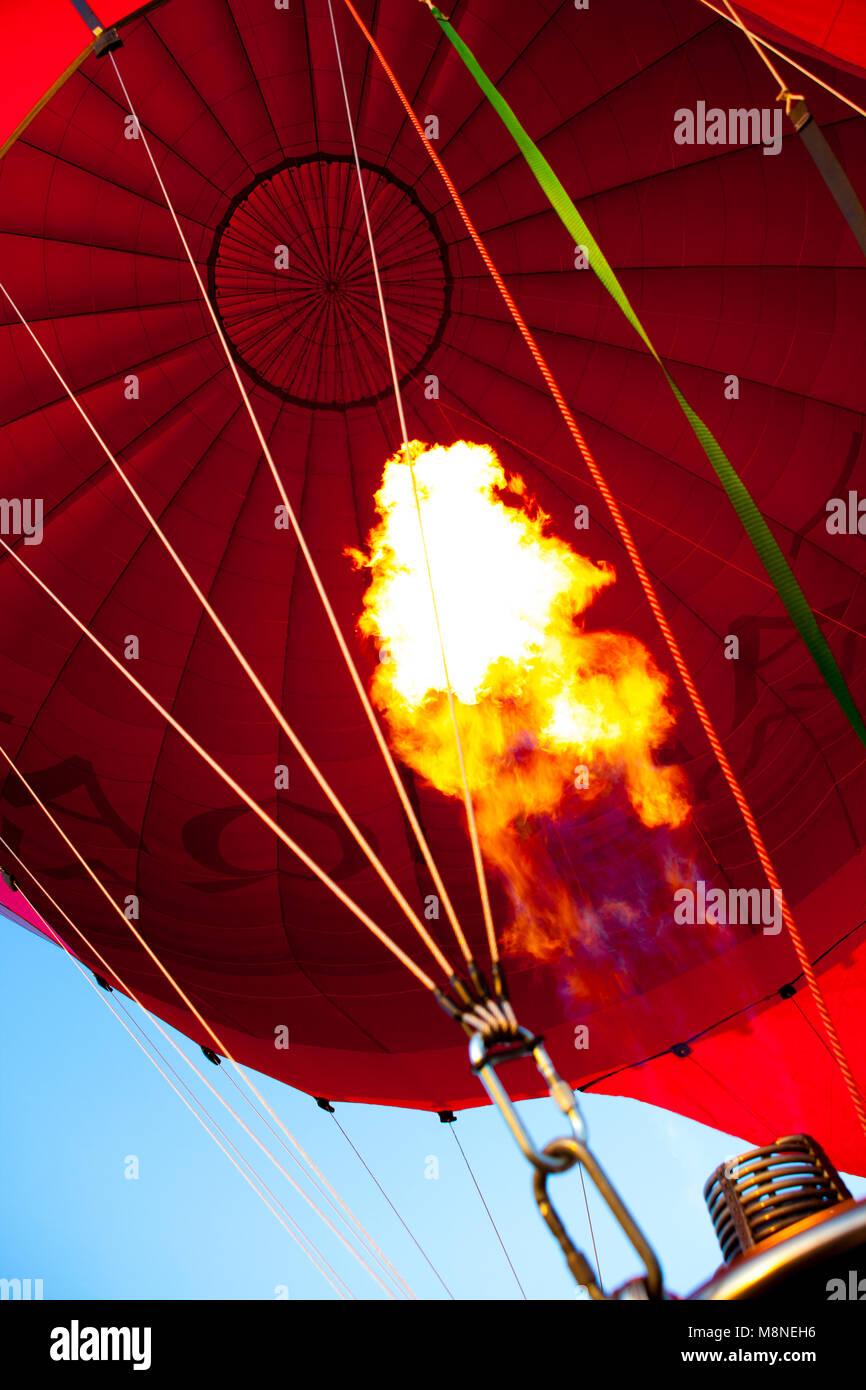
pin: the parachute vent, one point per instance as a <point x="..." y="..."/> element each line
<point x="764" y="1191"/>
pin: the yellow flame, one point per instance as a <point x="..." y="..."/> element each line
<point x="544" y="707"/>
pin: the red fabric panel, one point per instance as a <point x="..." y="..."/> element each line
<point x="738" y="263"/>
<point x="39" y="42"/>
<point x="835" y="32"/>
<point x="765" y="1071"/>
<point x="14" y="904"/>
<point x="758" y="1075"/>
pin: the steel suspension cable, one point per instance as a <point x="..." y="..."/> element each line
<point x="489" y="1212"/>
<point x="259" y="1179"/>
<point x="86" y="975"/>
<point x="377" y="1253"/>
<point x="351" y="665"/>
<point x="589" y="1222"/>
<point x="211" y="1032"/>
<point x="646" y="583"/>
<point x="213" y="1121"/>
<point x="132" y="995"/>
<point x="406" y="1227"/>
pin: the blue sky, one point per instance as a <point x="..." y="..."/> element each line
<point x="79" y="1099"/>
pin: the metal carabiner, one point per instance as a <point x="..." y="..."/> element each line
<point x="575" y="1259"/>
<point x="485" y="1059"/>
<point x="559" y="1155"/>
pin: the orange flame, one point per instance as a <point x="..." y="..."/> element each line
<point x="547" y="711"/>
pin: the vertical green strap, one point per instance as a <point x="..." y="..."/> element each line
<point x="738" y="494"/>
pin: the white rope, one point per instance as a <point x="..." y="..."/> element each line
<point x="297" y="1233"/>
<point x="211" y="1032"/>
<point x="374" y="1250"/>
<point x="302" y="543"/>
<point x="733" y="18"/>
<point x="398" y="396"/>
<point x="235" y="649"/>
<point x="235" y="786"/>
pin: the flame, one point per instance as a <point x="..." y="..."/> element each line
<point x="551" y="716"/>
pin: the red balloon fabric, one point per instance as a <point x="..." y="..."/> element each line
<point x="14" y="908"/>
<point x="838" y="33"/>
<point x="41" y="50"/>
<point x="752" y="288"/>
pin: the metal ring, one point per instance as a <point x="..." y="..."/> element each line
<point x="575" y="1259"/>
